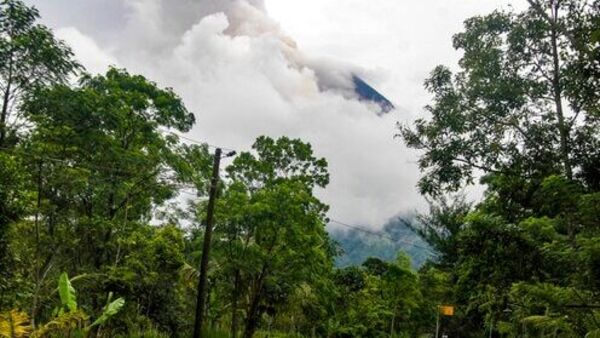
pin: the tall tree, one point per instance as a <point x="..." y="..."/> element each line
<point x="519" y="102"/>
<point x="522" y="113"/>
<point x="282" y="222"/>
<point x="31" y="57"/>
<point x="101" y="164"/>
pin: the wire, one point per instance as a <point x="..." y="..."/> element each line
<point x="382" y="235"/>
<point x="367" y="231"/>
<point x="182" y="188"/>
<point x="355" y="227"/>
<point x="189" y="139"/>
<point x="66" y="162"/>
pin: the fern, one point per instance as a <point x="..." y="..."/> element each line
<point x="62" y="325"/>
<point x="14" y="324"/>
<point x="189" y="275"/>
<point x="547" y="323"/>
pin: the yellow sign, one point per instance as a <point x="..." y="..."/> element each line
<point x="447" y="310"/>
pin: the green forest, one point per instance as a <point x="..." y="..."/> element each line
<point x="104" y="202"/>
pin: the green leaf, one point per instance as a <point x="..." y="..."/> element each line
<point x="109" y="311"/>
<point x="67" y="292"/>
<point x="593" y="334"/>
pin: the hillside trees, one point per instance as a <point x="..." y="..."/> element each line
<point x="383" y="299"/>
<point x="30" y="57"/>
<point x="521" y="106"/>
<point x="521" y="114"/>
<point x="98" y="163"/>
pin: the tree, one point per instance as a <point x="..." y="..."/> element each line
<point x="377" y="299"/>
<point x="101" y="163"/>
<point x="522" y="114"/>
<point x="544" y="309"/>
<point x="484" y="276"/>
<point x="401" y="290"/>
<point x="13" y="203"/>
<point x="31" y="58"/>
<point x="278" y="221"/>
<point x="441" y="226"/>
<point x="503" y="114"/>
<point x="436" y="289"/>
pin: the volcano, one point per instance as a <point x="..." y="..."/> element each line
<point x="366" y="93"/>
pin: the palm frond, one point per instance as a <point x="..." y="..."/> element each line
<point x="14" y="324"/>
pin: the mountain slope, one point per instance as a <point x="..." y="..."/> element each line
<point x="358" y="245"/>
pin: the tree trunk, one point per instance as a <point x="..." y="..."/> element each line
<point x="392" y="325"/>
<point x="34" y="302"/>
<point x="4" y="114"/>
<point x="252" y="320"/>
<point x="557" y="92"/>
<point x="234" y="304"/>
<point x="253" y="311"/>
<point x="6" y="101"/>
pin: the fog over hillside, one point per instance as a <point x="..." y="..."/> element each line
<point x="357" y="244"/>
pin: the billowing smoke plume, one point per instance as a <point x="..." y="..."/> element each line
<point x="243" y="77"/>
<point x="248" y="18"/>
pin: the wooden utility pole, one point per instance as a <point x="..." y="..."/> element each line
<point x="201" y="300"/>
<point x="437" y="323"/>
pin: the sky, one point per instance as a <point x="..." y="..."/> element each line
<point x="279" y="67"/>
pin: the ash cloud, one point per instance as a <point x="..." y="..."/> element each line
<point x="243" y="76"/>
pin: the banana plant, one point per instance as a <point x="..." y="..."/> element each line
<point x="110" y="309"/>
<point x="74" y="318"/>
<point x="69" y="320"/>
<point x="66" y="291"/>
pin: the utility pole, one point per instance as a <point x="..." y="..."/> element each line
<point x="437" y="323"/>
<point x="200" y="302"/>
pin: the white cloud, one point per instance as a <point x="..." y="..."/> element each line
<point x="87" y="51"/>
<point x="252" y="81"/>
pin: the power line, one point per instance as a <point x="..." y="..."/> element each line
<point x="367" y="231"/>
<point x="68" y="163"/>
<point x="381" y="235"/>
<point x="115" y="170"/>
<point x="126" y="174"/>
<point x="189" y="139"/>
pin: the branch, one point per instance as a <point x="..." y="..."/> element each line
<point x="478" y="166"/>
<point x="540" y="10"/>
<point x="133" y="193"/>
<point x="574" y="119"/>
